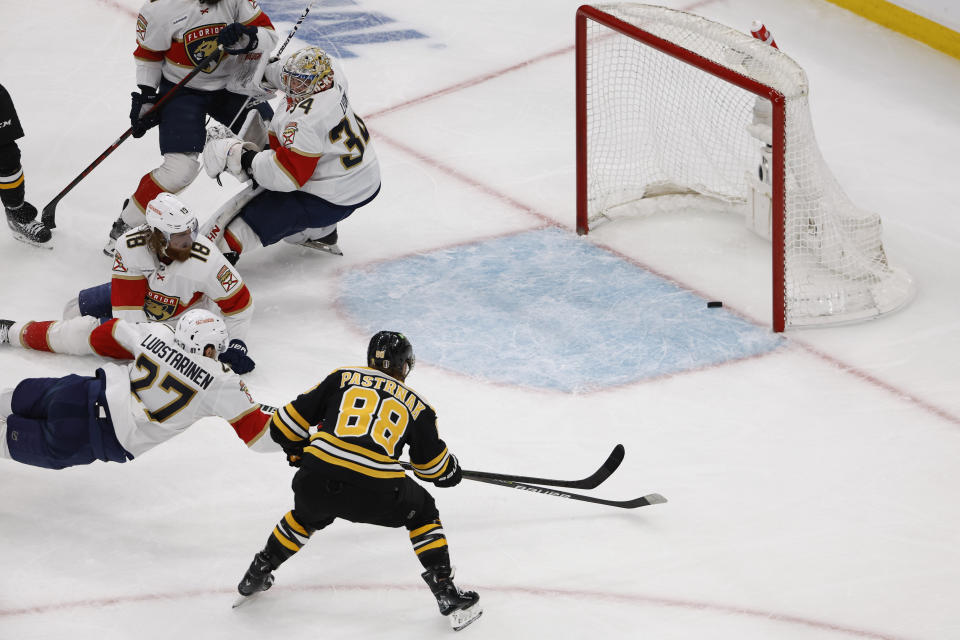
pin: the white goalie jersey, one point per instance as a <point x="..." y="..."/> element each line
<point x="319" y="145"/>
<point x="165" y="390"/>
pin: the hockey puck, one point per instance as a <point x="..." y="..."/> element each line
<point x="713" y="304"/>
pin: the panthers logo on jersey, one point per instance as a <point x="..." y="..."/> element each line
<point x="201" y="42"/>
<point x="289" y="132"/>
<point x="160" y="307"/>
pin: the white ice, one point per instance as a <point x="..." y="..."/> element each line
<point x="812" y="492"/>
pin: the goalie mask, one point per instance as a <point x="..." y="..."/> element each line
<point x="169" y="216"/>
<point x="197" y="329"/>
<point x="390" y="351"/>
<point x="306" y="72"/>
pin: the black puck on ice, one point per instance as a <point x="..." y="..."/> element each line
<point x="713" y="304"/>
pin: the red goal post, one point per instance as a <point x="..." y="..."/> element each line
<point x="828" y="264"/>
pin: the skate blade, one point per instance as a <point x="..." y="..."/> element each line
<point x="463" y="617"/>
<point x="39" y="245"/>
<point x="332" y="249"/>
<point x="242" y="599"/>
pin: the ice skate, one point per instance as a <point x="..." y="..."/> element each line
<point x="461" y="607"/>
<point x="5" y="331"/>
<point x="258" y="578"/>
<point x="327" y="243"/>
<point x="26" y="228"/>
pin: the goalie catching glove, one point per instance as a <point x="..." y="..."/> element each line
<point x="229" y="154"/>
<point x="236" y="356"/>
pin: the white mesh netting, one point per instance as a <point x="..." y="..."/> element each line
<point x="656" y="125"/>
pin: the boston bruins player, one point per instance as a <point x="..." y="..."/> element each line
<point x="349" y="469"/>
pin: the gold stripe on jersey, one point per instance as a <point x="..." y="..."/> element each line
<point x="335" y="451"/>
<point x="291" y="533"/>
<point x="428" y="537"/>
<point x="290" y="423"/>
<point x="12" y="185"/>
<point x="117" y="276"/>
<point x="283" y="169"/>
<point x="434" y="468"/>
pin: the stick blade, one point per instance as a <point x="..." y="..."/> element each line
<point x="616" y="457"/>
<point x="48" y="215"/>
<point x="655" y="498"/>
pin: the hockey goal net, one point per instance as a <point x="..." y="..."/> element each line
<point x="671" y="105"/>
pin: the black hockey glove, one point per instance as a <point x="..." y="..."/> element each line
<point x="140" y="104"/>
<point x="294" y="457"/>
<point x="236" y="356"/>
<point x="452" y="477"/>
<point x="238" y="38"/>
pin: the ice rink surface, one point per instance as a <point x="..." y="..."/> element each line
<point x="811" y="480"/>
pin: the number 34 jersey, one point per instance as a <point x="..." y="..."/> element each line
<point x="320" y="146"/>
<point x="165" y="390"/>
<point x="364" y="418"/>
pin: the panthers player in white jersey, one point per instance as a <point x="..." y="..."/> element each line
<point x="320" y="166"/>
<point x="163" y="268"/>
<point x="123" y="411"/>
<point x="173" y="36"/>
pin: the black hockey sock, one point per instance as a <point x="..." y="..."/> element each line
<point x="287" y="538"/>
<point x="430" y="544"/>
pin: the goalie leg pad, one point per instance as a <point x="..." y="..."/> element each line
<point x="216" y="225"/>
<point x="240" y="237"/>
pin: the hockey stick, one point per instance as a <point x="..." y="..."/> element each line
<point x="590" y="482"/>
<point x="50" y="211"/>
<point x="276" y="55"/>
<point x="642" y="501"/>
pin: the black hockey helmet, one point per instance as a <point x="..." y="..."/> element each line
<point x="389" y="351"/>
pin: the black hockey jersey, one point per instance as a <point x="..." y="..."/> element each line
<point x="364" y="418"/>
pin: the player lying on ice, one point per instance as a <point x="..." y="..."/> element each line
<point x="160" y="270"/>
<point x="349" y="469"/>
<point x="319" y="168"/>
<point x="123" y="411"/>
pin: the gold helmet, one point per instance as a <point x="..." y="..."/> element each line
<point x="306" y="72"/>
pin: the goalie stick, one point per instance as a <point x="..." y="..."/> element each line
<point x="48" y="217"/>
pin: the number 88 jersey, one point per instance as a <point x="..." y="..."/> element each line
<point x="320" y="146"/>
<point x="364" y="419"/>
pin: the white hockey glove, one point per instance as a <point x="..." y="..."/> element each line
<point x="224" y="155"/>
